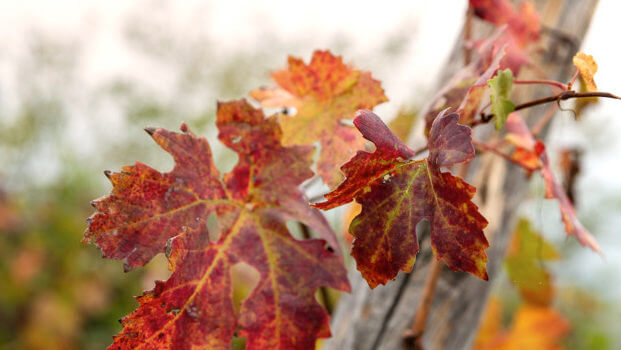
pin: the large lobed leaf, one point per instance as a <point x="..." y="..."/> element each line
<point x="396" y="193"/>
<point x="325" y="93"/>
<point x="148" y="211"/>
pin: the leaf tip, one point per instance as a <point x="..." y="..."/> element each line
<point x="150" y="130"/>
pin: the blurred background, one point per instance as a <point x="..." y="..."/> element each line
<point x="80" y="79"/>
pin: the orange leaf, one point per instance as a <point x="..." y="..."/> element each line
<point x="324" y="92"/>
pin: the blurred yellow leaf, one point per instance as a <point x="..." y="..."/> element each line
<point x="587" y="67"/>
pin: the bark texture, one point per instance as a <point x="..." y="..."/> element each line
<point x="377" y="319"/>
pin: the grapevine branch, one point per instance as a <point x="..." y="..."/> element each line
<point x="565" y="95"/>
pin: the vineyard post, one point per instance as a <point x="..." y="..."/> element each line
<point x="378" y="318"/>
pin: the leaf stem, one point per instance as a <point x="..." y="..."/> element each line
<point x="557" y="84"/>
<point x="573" y="79"/>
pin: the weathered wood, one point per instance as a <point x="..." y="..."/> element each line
<point x="376" y="319"/>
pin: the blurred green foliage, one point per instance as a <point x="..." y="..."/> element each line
<point x="56" y="293"/>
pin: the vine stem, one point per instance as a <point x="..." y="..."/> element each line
<point x="414" y="336"/>
<point x="565" y="95"/>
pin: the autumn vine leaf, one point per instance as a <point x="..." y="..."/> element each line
<point x="587" y="67"/>
<point x="531" y="155"/>
<point x="500" y="90"/>
<point x="396" y="193"/>
<point x="149" y="211"/>
<point x="326" y="93"/>
<point x="524" y="260"/>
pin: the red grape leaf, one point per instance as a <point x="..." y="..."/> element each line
<point x="148" y="210"/>
<point x="529" y="150"/>
<point x="324" y="92"/>
<point x="396" y="193"/>
<point x="524" y="262"/>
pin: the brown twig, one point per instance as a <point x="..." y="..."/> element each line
<point x="323" y="291"/>
<point x="414" y="336"/>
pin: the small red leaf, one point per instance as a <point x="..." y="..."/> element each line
<point x="324" y="92"/>
<point x="397" y="193"/>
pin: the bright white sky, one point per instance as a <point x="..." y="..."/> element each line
<point x="240" y="25"/>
